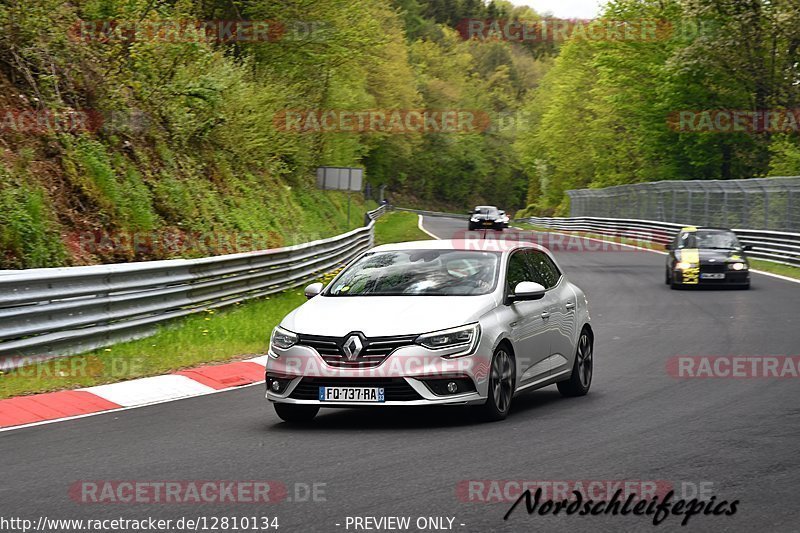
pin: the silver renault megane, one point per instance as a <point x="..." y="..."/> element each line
<point x="433" y="322"/>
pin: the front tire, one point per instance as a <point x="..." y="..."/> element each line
<point x="295" y="413"/>
<point x="582" y="369"/>
<point x="502" y="380"/>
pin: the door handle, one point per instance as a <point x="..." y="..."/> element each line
<point x="570" y="305"/>
<point x="545" y="315"/>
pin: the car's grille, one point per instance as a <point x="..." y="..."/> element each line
<point x="373" y="352"/>
<point x="713" y="268"/>
<point x="394" y="389"/>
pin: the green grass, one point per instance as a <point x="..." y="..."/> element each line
<point x="212" y="336"/>
<point x="398" y="226"/>
<point x="776" y="268"/>
<point x="226" y="334"/>
<point x="757" y="264"/>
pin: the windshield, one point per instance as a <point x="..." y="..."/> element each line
<point x="486" y="211"/>
<point x="419" y="273"/>
<point x="708" y="239"/>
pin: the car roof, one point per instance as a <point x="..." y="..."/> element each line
<point x="467" y="244"/>
<point x="485" y="207"/>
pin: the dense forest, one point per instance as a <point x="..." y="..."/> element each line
<point x="176" y="133"/>
<point x="606" y="113"/>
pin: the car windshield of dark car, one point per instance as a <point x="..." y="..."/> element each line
<point x="709" y="239"/>
<point x="419" y="273"/>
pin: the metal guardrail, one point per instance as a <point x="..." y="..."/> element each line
<point x="52" y="312"/>
<point x="369" y="216"/>
<point x="775" y="246"/>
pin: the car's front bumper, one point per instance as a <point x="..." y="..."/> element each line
<point x="695" y="277"/>
<point x="423" y="395"/>
<point x="408" y="376"/>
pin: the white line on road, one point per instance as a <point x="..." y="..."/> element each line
<point x="419" y="225"/>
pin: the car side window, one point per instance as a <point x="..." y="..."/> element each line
<point x="544" y="271"/>
<point x="686" y="240"/>
<point x="518" y="271"/>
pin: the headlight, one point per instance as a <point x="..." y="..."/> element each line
<point x="682" y="265"/>
<point x="473" y="219"/>
<point x="282" y="338"/>
<point x="737" y="266"/>
<point x="466" y="336"/>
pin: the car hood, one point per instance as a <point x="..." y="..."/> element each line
<point x="486" y="217"/>
<point x="710" y="255"/>
<point x="378" y="316"/>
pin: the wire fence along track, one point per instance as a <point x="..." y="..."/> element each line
<point x="762" y="203"/>
<point x="775" y="246"/>
<point x="53" y="312"/>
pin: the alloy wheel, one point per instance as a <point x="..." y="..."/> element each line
<point x="585" y="360"/>
<point x="502" y="380"/>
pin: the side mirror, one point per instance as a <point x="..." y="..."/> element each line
<point x="527" y="290"/>
<point x="747" y="247"/>
<point x="313" y="289"/>
<point x="502" y="212"/>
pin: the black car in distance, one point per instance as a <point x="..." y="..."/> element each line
<point x="707" y="256"/>
<point x="487" y="217"/>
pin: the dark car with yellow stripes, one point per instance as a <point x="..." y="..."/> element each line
<point x="707" y="256"/>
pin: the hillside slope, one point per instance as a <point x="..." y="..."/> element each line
<point x="122" y="134"/>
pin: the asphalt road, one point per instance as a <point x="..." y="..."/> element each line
<point x="737" y="437"/>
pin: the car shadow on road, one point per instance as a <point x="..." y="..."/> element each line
<point x="712" y="288"/>
<point x="421" y="418"/>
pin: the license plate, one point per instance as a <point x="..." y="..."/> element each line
<point x="711" y="275"/>
<point x="487" y="223"/>
<point x="351" y="394"/>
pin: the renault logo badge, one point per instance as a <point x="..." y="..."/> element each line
<point x="352" y="347"/>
